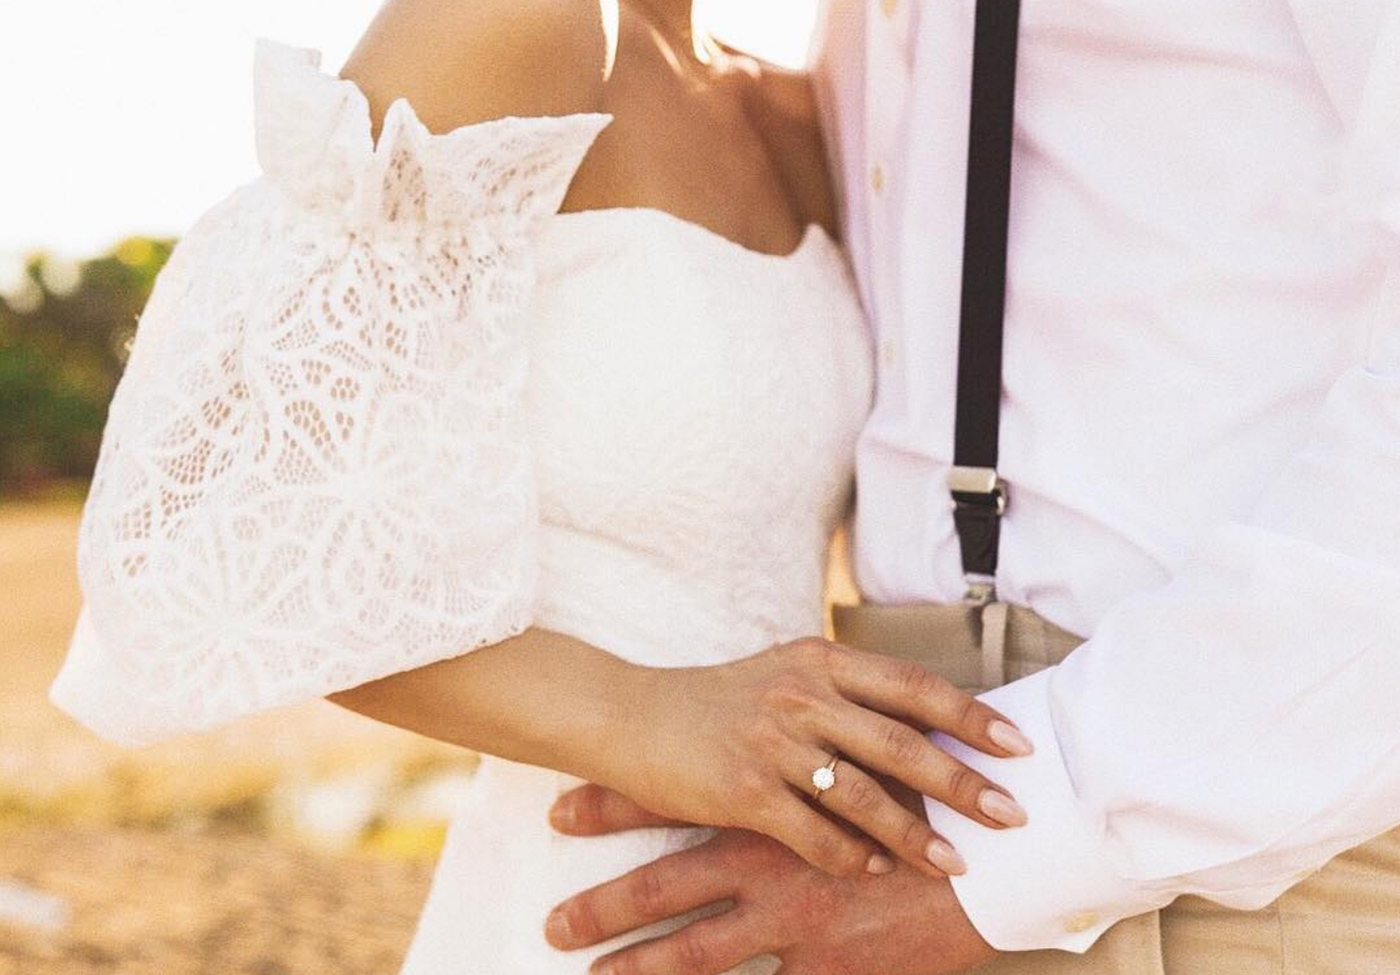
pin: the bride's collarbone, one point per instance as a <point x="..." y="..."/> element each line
<point x="762" y="222"/>
<point x="699" y="154"/>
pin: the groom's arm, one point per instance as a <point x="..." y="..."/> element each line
<point x="1229" y="733"/>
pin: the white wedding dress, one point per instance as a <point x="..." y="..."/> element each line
<point x="386" y="405"/>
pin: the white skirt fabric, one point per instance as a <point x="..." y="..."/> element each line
<point x="504" y="868"/>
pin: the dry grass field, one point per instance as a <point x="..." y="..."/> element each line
<point x="297" y="842"/>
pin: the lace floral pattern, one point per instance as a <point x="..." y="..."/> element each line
<point x="314" y="471"/>
<point x="386" y="405"/>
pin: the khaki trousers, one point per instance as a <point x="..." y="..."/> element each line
<point x="1342" y="920"/>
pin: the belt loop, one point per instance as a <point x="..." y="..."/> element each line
<point x="994" y="621"/>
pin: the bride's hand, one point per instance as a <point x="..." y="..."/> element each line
<point x="737" y="744"/>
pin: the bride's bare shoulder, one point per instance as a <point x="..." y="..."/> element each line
<point x="463" y="61"/>
<point x="783" y="107"/>
<point x="779" y="94"/>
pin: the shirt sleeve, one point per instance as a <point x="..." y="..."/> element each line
<point x="1227" y="734"/>
<point x="314" y="471"/>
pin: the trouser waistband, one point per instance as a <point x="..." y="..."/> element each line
<point x="975" y="646"/>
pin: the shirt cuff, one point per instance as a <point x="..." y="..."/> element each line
<point x="1050" y="883"/>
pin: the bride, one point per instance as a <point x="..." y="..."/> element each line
<point x="515" y="404"/>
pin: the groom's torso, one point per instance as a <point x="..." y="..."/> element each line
<point x="1183" y="286"/>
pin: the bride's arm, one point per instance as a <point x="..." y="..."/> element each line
<point x="725" y="745"/>
<point x="502" y="700"/>
<point x="315" y="470"/>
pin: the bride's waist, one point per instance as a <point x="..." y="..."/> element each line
<point x="651" y="610"/>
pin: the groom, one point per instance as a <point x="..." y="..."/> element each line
<point x="1200" y="431"/>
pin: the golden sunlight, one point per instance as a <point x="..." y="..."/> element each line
<point x="191" y="62"/>
<point x="776" y="30"/>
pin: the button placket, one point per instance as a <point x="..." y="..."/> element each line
<point x="887" y="91"/>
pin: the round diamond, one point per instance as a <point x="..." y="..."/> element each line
<point x="823" y="778"/>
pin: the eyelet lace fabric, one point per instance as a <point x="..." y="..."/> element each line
<point x="314" y="471"/>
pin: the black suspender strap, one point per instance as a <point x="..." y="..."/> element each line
<point x="979" y="496"/>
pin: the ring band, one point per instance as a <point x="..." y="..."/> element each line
<point x="825" y="777"/>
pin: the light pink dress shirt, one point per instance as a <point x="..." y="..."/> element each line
<point x="1201" y="427"/>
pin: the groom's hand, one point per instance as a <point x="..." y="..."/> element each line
<point x="897" y="924"/>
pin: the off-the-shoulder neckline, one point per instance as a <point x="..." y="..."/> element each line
<point x="272" y="56"/>
<point x="812" y="233"/>
<point x="278" y="64"/>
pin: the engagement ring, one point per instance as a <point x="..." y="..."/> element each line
<point x="825" y="777"/>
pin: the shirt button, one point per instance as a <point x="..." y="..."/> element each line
<point x="888" y="7"/>
<point x="877" y="179"/>
<point x="888" y="352"/>
<point x="1081" y="922"/>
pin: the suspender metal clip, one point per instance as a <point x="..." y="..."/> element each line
<point x="979" y="486"/>
<point x="979" y="501"/>
<point x="981" y="590"/>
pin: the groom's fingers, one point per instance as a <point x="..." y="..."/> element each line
<point x="592" y="810"/>
<point x="669" y="887"/>
<point x="709" y="947"/>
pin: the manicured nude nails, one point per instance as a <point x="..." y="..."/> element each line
<point x="1010" y="738"/>
<point x="1001" y="808"/>
<point x="561" y="815"/>
<point x="557" y="930"/>
<point x="945" y="858"/>
<point x="879" y="864"/>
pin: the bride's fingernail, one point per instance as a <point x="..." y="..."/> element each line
<point x="942" y="855"/>
<point x="879" y="864"/>
<point x="1002" y="808"/>
<point x="1010" y="738"/>
<point x="557" y="930"/>
<point x="561" y="815"/>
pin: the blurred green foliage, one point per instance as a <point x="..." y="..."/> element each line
<point x="64" y="331"/>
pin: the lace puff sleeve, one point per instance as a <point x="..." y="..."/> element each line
<point x="314" y="472"/>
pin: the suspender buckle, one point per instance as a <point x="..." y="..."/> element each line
<point x="979" y="486"/>
<point x="979" y="501"/>
<point x="981" y="590"/>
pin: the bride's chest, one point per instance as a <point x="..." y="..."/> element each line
<point x="677" y="376"/>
